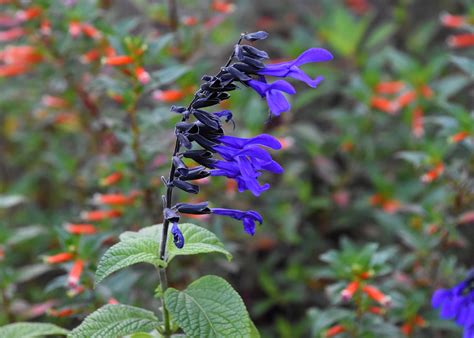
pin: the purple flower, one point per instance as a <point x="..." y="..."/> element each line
<point x="178" y="237"/>
<point x="244" y="160"/>
<point x="457" y="304"/>
<point x="273" y="92"/>
<point x="248" y="218"/>
<point x="291" y="69"/>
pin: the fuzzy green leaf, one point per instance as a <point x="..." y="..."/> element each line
<point x="115" y="321"/>
<point x="197" y="240"/>
<point x="209" y="307"/>
<point x="26" y="330"/>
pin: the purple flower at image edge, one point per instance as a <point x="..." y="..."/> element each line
<point x="457" y="304"/>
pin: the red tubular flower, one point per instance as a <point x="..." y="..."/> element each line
<point x="452" y="21"/>
<point x="90" y="31"/>
<point x="461" y="40"/>
<point x="111" y="179"/>
<point x="358" y="6"/>
<point x="75" y="28"/>
<point x="90" y="56"/>
<point x="118" y="60"/>
<point x="334" y="330"/>
<point x="59" y="258"/>
<point x="350" y="290"/>
<point x="2" y="254"/>
<point x="389" y="87"/>
<point x="11" y="34"/>
<point x="377" y="295"/>
<point x="466" y="218"/>
<point x="18" y="60"/>
<point x="417" y="125"/>
<point x="112" y="301"/>
<point x="29" y="13"/>
<point x="190" y="21"/>
<point x="80" y="229"/>
<point x="433" y="174"/>
<point x="74" y="275"/>
<point x="458" y="137"/>
<point x="383" y="104"/>
<point x="407" y="329"/>
<point x="426" y="91"/>
<point x="377" y="310"/>
<point x="45" y="27"/>
<point x="405" y="99"/>
<point x="114" y="199"/>
<point x="222" y="6"/>
<point x="100" y="215"/>
<point x="142" y="75"/>
<point x="170" y="95"/>
<point x="54" y="102"/>
<point x="61" y="313"/>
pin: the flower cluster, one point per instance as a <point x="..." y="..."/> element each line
<point x="457" y="303"/>
<point x="240" y="159"/>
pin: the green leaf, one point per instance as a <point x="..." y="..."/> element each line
<point x="197" y="240"/>
<point x="209" y="307"/>
<point x="126" y="253"/>
<point x="26" y="330"/>
<point x="253" y="330"/>
<point x="466" y="64"/>
<point x="115" y="321"/>
<point x="169" y="74"/>
<point x="381" y="34"/>
<point x="143" y="247"/>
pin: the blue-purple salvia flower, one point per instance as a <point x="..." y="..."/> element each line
<point x="457" y="304"/>
<point x="241" y="159"/>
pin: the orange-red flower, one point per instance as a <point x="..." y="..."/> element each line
<point x="59" y="258"/>
<point x="100" y="215"/>
<point x="61" y="313"/>
<point x="350" y="290"/>
<point x="111" y="179"/>
<point x="389" y="205"/>
<point x="45" y="27"/>
<point x="142" y="75"/>
<point x="377" y="310"/>
<point x="117" y="60"/>
<point x="389" y="87"/>
<point x="80" y="229"/>
<point x="466" y="218"/>
<point x="90" y="31"/>
<point x="11" y="34"/>
<point x="75" y="273"/>
<point x="222" y="6"/>
<point x="417" y="125"/>
<point x="433" y="174"/>
<point x="54" y="101"/>
<point x="461" y="40"/>
<point x="90" y="56"/>
<point x="170" y="95"/>
<point x="452" y="21"/>
<point x="383" y="104"/>
<point x="75" y="28"/>
<point x="358" y="6"/>
<point x="2" y="254"/>
<point x="29" y="13"/>
<point x="405" y="99"/>
<point x="18" y="60"/>
<point x="334" y="331"/>
<point x="376" y="295"/>
<point x="426" y="91"/>
<point x="114" y="199"/>
<point x="458" y="137"/>
<point x="408" y="327"/>
<point x="190" y="20"/>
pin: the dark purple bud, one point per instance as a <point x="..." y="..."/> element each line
<point x="245" y="68"/>
<point x="260" y="35"/>
<point x="253" y="62"/>
<point x="206" y="118"/>
<point x="204" y="102"/>
<point x="237" y="74"/>
<point x="178" y="109"/>
<point x="186" y="186"/>
<point x="207" y="78"/>
<point x="238" y="52"/>
<point x="194" y="209"/>
<point x="203" y="141"/>
<point x="203" y="157"/>
<point x="178" y="237"/>
<point x="252" y="51"/>
<point x="183" y="140"/>
<point x="171" y="215"/>
<point x="195" y="173"/>
<point x="222" y="96"/>
<point x="181" y="168"/>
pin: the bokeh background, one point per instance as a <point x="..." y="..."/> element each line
<point x="378" y="160"/>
